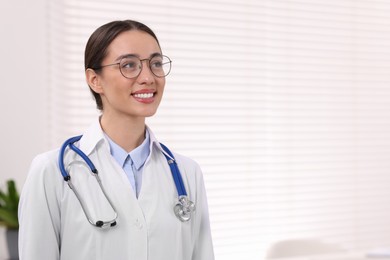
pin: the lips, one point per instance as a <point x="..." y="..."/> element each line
<point x="144" y="96"/>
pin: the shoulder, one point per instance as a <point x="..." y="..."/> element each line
<point x="186" y="165"/>
<point x="180" y="159"/>
<point x="44" y="183"/>
<point x="189" y="167"/>
<point x="44" y="169"/>
<point x="186" y="161"/>
<point x="45" y="160"/>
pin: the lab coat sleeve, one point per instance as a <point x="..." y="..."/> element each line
<point x="203" y="249"/>
<point x="39" y="214"/>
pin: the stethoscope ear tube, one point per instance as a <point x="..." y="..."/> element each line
<point x="62" y="155"/>
<point x="70" y="143"/>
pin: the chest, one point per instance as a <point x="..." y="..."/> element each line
<point x="153" y="209"/>
<point x="145" y="226"/>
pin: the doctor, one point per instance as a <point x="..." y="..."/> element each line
<point x="125" y="70"/>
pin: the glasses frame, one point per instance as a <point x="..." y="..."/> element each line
<point x="141" y="62"/>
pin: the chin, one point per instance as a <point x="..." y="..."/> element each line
<point x="149" y="113"/>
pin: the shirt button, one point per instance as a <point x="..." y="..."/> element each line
<point x="138" y="224"/>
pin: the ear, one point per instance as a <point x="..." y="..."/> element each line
<point x="93" y="81"/>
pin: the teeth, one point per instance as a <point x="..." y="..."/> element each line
<point x="144" y="95"/>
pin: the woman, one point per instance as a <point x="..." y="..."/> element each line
<point x="125" y="70"/>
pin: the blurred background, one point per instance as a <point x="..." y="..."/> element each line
<point x="285" y="104"/>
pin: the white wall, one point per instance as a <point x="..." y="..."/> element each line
<point x="23" y="82"/>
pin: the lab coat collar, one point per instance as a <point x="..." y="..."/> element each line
<point x="154" y="143"/>
<point x="95" y="135"/>
<point x="92" y="137"/>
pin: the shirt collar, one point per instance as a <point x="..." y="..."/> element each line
<point x="94" y="136"/>
<point x="138" y="155"/>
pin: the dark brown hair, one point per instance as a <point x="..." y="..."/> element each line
<point x="101" y="38"/>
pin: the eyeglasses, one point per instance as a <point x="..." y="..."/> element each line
<point x="131" y="66"/>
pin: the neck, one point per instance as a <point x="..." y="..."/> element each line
<point x="128" y="133"/>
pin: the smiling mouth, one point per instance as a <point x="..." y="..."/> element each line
<point x="143" y="95"/>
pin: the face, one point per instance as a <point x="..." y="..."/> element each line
<point x="137" y="97"/>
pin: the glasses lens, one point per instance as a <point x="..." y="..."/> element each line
<point x="160" y="65"/>
<point x="130" y="67"/>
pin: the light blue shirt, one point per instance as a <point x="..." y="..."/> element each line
<point x="132" y="163"/>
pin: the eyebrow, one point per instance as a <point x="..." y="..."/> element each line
<point x="136" y="55"/>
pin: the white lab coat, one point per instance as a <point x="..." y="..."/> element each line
<point x="53" y="225"/>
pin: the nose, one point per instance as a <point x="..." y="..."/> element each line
<point x="146" y="76"/>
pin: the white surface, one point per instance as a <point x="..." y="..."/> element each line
<point x="338" y="256"/>
<point x="23" y="30"/>
<point x="301" y="247"/>
<point x="379" y="253"/>
<point x="24" y="91"/>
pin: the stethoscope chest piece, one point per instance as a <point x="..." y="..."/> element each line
<point x="184" y="208"/>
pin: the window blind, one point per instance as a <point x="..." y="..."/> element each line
<point x="284" y="104"/>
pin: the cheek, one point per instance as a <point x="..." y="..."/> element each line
<point x="120" y="84"/>
<point x="117" y="90"/>
<point x="161" y="84"/>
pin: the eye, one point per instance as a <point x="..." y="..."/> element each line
<point x="156" y="64"/>
<point x="130" y="64"/>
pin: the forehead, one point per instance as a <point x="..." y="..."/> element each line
<point x="133" y="42"/>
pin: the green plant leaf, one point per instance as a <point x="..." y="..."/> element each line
<point x="8" y="219"/>
<point x="12" y="192"/>
<point x="9" y="201"/>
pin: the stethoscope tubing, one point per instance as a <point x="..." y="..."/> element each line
<point x="183" y="208"/>
<point x="181" y="190"/>
<point x="70" y="143"/>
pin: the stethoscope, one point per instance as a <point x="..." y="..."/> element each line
<point x="182" y="209"/>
